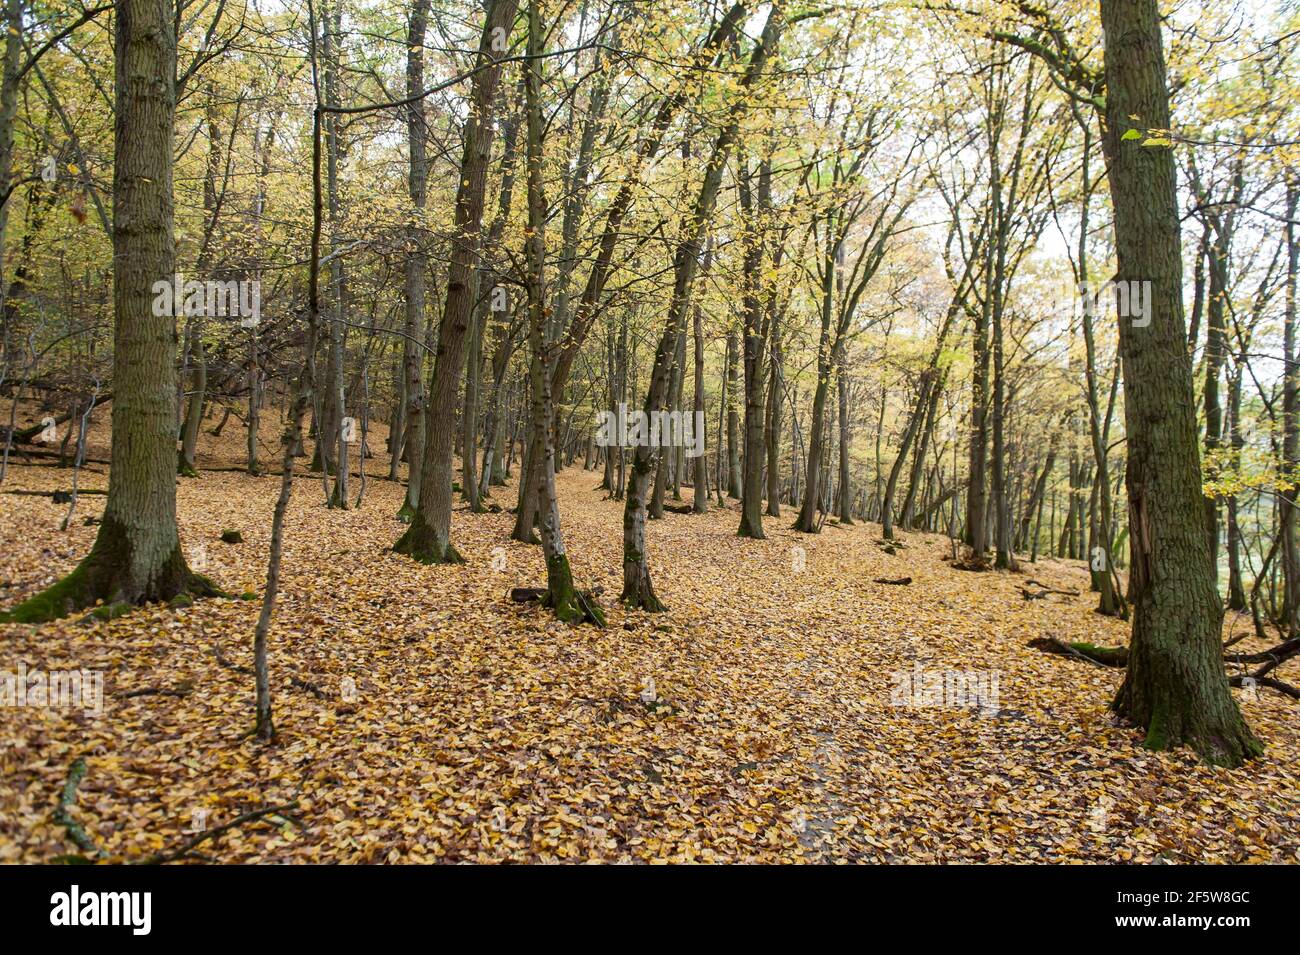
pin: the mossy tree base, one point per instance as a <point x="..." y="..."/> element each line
<point x="421" y="543"/>
<point x="638" y="589"/>
<point x="566" y="602"/>
<point x="1178" y="716"/>
<point x="806" y="525"/>
<point x="105" y="577"/>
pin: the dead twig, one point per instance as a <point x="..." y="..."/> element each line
<point x="190" y="844"/>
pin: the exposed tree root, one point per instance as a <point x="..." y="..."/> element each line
<point x="1103" y="656"/>
<point x="583" y="602"/>
<point x="1268" y="681"/>
<point x="63" y="814"/>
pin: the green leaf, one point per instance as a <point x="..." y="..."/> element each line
<point x="1131" y="134"/>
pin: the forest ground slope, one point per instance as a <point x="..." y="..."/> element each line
<point x="424" y="716"/>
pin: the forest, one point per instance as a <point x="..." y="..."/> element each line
<point x="796" y="431"/>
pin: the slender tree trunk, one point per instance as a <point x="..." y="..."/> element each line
<point x="560" y="595"/>
<point x="776" y="385"/>
<point x="733" y="418"/>
<point x="429" y="537"/>
<point x="700" y="490"/>
<point x="638" y="589"/>
<point x="9" y="83"/>
<point x="1291" y="417"/>
<point x="758" y="309"/>
<point x="416" y="264"/>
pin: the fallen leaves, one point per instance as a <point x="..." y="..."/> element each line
<point x="752" y="722"/>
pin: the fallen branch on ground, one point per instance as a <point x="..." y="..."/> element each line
<point x="188" y="846"/>
<point x="183" y="690"/>
<point x="1102" y="656"/>
<point x="1040" y="594"/>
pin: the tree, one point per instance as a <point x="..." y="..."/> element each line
<point x="137" y="553"/>
<point x="638" y="589"/>
<point x="560" y="596"/>
<point x="1174" y="686"/>
<point x="416" y="264"/>
<point x="428" y="539"/>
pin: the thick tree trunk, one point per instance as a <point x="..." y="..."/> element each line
<point x="1174" y="686"/>
<point x="137" y="553"/>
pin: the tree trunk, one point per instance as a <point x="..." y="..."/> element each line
<point x="1174" y="686"/>
<point x="429" y="537"/>
<point x="700" y="490"/>
<point x="638" y="589"/>
<point x="137" y="554"/>
<point x="417" y="263"/>
<point x="733" y="418"/>
<point x="1291" y="417"/>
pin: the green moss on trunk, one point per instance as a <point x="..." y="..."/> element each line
<point x="105" y="576"/>
<point x="560" y="594"/>
<point x="420" y="543"/>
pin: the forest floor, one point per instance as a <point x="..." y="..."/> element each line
<point x="424" y="716"/>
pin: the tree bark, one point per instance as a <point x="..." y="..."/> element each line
<point x="429" y="537"/>
<point x="417" y="263"/>
<point x="1175" y="687"/>
<point x="137" y="553"/>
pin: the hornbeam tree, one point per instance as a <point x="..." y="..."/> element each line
<point x="638" y="589"/>
<point x="560" y="594"/>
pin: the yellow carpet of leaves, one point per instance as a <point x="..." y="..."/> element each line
<point x="423" y="716"/>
